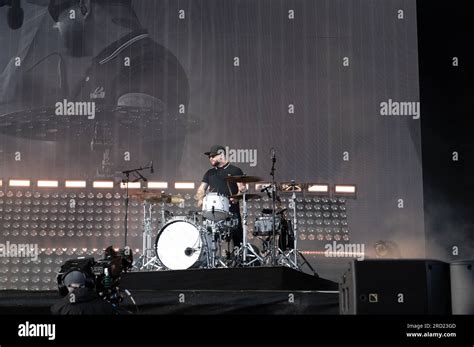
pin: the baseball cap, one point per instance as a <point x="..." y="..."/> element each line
<point x="216" y="149"/>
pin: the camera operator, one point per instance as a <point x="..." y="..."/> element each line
<point x="81" y="299"/>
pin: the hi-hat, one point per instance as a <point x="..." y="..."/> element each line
<point x="247" y="196"/>
<point x="243" y="179"/>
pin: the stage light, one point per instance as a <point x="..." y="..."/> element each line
<point x="19" y="183"/>
<point x="47" y="184"/>
<point x="131" y="185"/>
<point x="345" y="190"/>
<point x="75" y="184"/>
<point x="184" y="185"/>
<point x="387" y="249"/>
<point x="157" y="185"/>
<point x="103" y="184"/>
<point x="319" y="189"/>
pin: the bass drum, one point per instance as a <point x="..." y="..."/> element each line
<point x="181" y="244"/>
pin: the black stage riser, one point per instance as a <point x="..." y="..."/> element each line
<point x="258" y="278"/>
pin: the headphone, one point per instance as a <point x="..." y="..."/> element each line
<point x="84" y="266"/>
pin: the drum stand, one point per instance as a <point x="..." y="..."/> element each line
<point x="291" y="258"/>
<point x="245" y="245"/>
<point x="148" y="261"/>
<point x="214" y="255"/>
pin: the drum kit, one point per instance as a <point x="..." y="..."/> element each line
<point x="201" y="239"/>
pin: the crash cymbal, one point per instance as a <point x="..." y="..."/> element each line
<point x="247" y="196"/>
<point x="243" y="179"/>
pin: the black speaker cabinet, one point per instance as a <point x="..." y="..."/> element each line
<point x="462" y="287"/>
<point x="382" y="286"/>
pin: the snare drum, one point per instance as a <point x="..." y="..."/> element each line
<point x="215" y="207"/>
<point x="263" y="226"/>
<point x="181" y="244"/>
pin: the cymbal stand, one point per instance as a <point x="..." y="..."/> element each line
<point x="292" y="256"/>
<point x="147" y="260"/>
<point x="126" y="181"/>
<point x="245" y="245"/>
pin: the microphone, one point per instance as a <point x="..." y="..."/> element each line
<point x="189" y="251"/>
<point x="273" y="155"/>
<point x="152" y="169"/>
<point x="15" y="15"/>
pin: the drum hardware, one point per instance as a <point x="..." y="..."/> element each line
<point x="243" y="179"/>
<point x="126" y="180"/>
<point x="270" y="211"/>
<point x="246" y="247"/>
<point x="244" y="196"/>
<point x="274" y="197"/>
<point x="247" y="196"/>
<point x="147" y="261"/>
<point x="290" y="257"/>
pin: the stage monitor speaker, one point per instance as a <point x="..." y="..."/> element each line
<point x="462" y="287"/>
<point x="384" y="286"/>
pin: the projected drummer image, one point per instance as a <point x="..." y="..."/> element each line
<point x="108" y="97"/>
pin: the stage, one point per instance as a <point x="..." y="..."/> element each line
<point x="264" y="290"/>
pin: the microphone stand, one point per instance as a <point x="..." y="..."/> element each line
<point x="272" y="173"/>
<point x="126" y="181"/>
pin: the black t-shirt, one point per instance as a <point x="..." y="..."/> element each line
<point x="153" y="70"/>
<point x="216" y="179"/>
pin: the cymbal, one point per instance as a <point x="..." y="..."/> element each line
<point x="169" y="199"/>
<point x="157" y="197"/>
<point x="43" y="124"/>
<point x="291" y="187"/>
<point x="243" y="179"/>
<point x="247" y="196"/>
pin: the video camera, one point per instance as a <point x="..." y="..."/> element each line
<point x="102" y="275"/>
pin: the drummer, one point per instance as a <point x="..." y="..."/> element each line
<point x="214" y="180"/>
